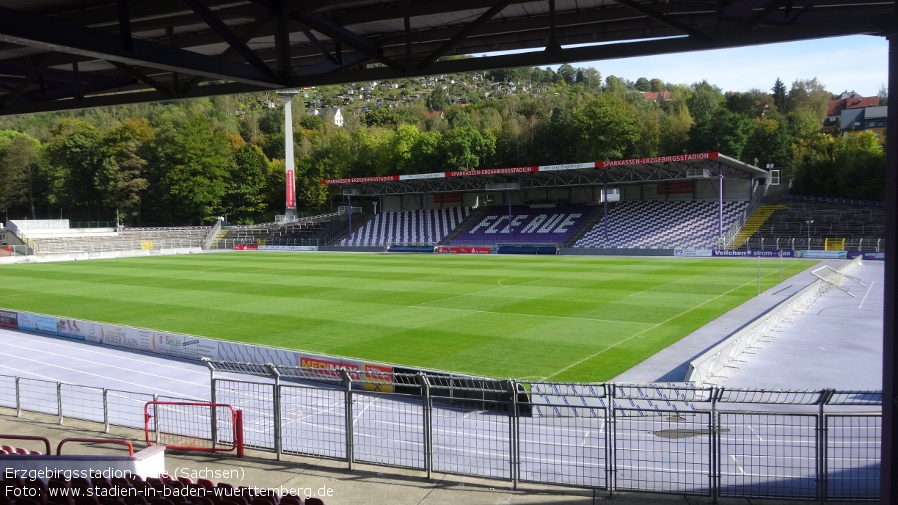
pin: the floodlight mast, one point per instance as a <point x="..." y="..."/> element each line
<point x="289" y="162"/>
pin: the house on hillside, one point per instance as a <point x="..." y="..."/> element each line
<point x="656" y="96"/>
<point x="865" y="119"/>
<point x="329" y="114"/>
<point x="846" y="101"/>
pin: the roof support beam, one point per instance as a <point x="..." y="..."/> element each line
<point x="26" y="29"/>
<point x="225" y="33"/>
<point x="661" y="18"/>
<point x="341" y="34"/>
<point x="464" y="32"/>
<point x="32" y="76"/>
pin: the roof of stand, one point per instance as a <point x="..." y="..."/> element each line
<point x="616" y="172"/>
<point x="68" y="54"/>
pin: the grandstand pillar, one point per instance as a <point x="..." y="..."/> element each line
<point x="720" y="202"/>
<point x="605" y="217"/>
<point x="508" y="196"/>
<point x="889" y="488"/>
<point x="350" y="217"/>
<point x="426" y="219"/>
<point x="289" y="162"/>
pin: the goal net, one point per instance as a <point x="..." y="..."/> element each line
<point x="194" y="426"/>
<point x="836" y="278"/>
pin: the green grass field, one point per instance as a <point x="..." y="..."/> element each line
<point x="527" y="317"/>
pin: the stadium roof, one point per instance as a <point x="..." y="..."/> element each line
<point x="615" y="172"/>
<point x="68" y="54"/>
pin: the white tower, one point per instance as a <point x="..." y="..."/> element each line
<point x="288" y="153"/>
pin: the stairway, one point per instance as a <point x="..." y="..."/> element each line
<point x="754" y="222"/>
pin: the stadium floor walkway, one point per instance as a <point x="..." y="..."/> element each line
<point x="836" y="343"/>
<point x="335" y="484"/>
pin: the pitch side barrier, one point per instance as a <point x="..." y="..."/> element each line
<point x="821" y="445"/>
<point x="714" y="360"/>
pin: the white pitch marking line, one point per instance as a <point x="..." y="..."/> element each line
<point x="753" y="432"/>
<point x="864" y="299"/>
<point x="738" y="464"/>
<point x="585" y="437"/>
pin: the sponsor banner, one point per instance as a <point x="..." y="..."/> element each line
<point x="378" y="377"/>
<point x="146" y="245"/>
<point x="246" y="247"/>
<point x="291" y="190"/>
<point x="755" y="254"/>
<point x="183" y="346"/>
<point x="72" y="328"/>
<point x="350" y="180"/>
<point x="822" y="255"/>
<point x="657" y="159"/>
<point x="125" y="337"/>
<point x="494" y="171"/>
<point x="464" y="250"/>
<point x="287" y="247"/>
<point x="675" y="187"/>
<point x="36" y="323"/>
<point x="411" y="177"/>
<point x="9" y="319"/>
<point x="330" y="367"/>
<point x="864" y="255"/>
<point x="693" y="252"/>
<point x="566" y="166"/>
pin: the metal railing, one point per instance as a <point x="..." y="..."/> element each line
<point x="668" y="438"/>
<point x="673" y="438"/>
<point x="812" y="244"/>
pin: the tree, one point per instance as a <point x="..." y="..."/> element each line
<point x="767" y="144"/>
<point x="567" y="73"/>
<point x="642" y="84"/>
<point x="608" y="128"/>
<point x="467" y="148"/>
<point x="190" y="165"/>
<point x="616" y="85"/>
<point x="726" y="132"/>
<point x="73" y="152"/>
<point x="244" y="198"/>
<point x="558" y="138"/>
<point x="122" y="173"/>
<point x="808" y="94"/>
<point x="845" y="167"/>
<point x="779" y="95"/>
<point x="704" y="102"/>
<point x="437" y="99"/>
<point x="23" y="174"/>
<point x="752" y="104"/>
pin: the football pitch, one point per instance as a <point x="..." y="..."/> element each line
<point x="560" y="318"/>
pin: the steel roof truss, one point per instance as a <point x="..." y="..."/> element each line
<point x="26" y="29"/>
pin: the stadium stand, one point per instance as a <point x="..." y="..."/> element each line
<point x="645" y="224"/>
<point x="59" y="241"/>
<point x="531" y="224"/>
<point x="407" y="227"/>
<point x="798" y="221"/>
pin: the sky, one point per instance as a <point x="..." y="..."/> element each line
<point x="855" y="63"/>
